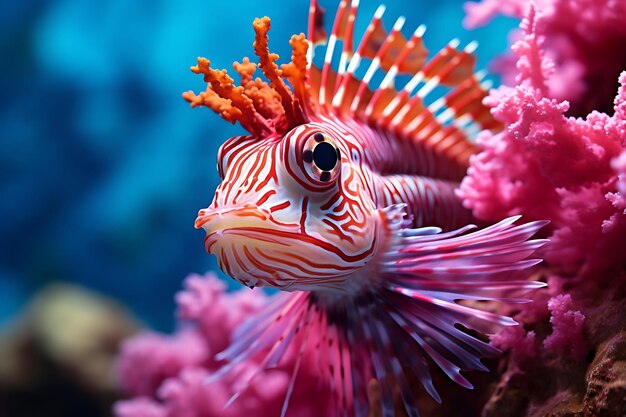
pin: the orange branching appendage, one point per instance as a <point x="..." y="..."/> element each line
<point x="262" y="109"/>
<point x="245" y="70"/>
<point x="293" y="112"/>
<point x="265" y="99"/>
<point x="221" y="84"/>
<point x="212" y="100"/>
<point x="296" y="72"/>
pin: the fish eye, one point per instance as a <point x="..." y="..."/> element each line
<point x="325" y="156"/>
<point x="321" y="158"/>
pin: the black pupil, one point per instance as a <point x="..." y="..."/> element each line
<point x="325" y="156"/>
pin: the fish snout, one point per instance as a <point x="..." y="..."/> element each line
<point x="222" y="218"/>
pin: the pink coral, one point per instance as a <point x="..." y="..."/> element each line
<point x="139" y="407"/>
<point x="148" y="359"/>
<point x="586" y="40"/>
<point x="518" y="341"/>
<point x="189" y="395"/>
<point x="567" y="328"/>
<point x="216" y="314"/>
<point x="169" y="376"/>
<point x="617" y="198"/>
<point x="619" y="165"/>
<point x="546" y="165"/>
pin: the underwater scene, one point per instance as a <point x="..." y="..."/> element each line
<point x="313" y="208"/>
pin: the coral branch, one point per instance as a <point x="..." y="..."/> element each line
<point x="224" y="87"/>
<point x="213" y="101"/>
<point x="293" y="112"/>
<point x="296" y="72"/>
<point x="245" y="70"/>
<point x="567" y="325"/>
<point x="265" y="99"/>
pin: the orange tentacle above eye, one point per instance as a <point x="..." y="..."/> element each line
<point x="293" y="112"/>
<point x="223" y="86"/>
<point x="296" y="73"/>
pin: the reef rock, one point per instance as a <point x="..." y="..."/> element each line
<point x="57" y="357"/>
<point x="560" y="385"/>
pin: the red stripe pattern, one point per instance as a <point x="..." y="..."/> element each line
<point x="343" y="196"/>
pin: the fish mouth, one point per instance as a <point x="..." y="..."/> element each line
<point x="238" y="221"/>
<point x="213" y="220"/>
<point x="255" y="249"/>
<point x="236" y="235"/>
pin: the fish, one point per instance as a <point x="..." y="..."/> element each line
<point x="342" y="196"/>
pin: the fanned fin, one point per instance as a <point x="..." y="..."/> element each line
<point x="337" y="34"/>
<point x="437" y="128"/>
<point x="316" y="32"/>
<point x="443" y="126"/>
<point x="390" y="330"/>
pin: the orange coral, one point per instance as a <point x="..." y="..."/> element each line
<point x="245" y="70"/>
<point x="262" y="109"/>
<point x="224" y="86"/>
<point x="265" y="99"/>
<point x="212" y="100"/>
<point x="293" y="112"/>
<point x="296" y="71"/>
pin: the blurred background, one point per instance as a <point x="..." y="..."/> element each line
<point x="103" y="166"/>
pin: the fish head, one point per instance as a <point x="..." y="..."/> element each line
<point x="293" y="211"/>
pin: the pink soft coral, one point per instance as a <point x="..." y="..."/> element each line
<point x="546" y="165"/>
<point x="214" y="312"/>
<point x="168" y="376"/>
<point x="518" y="341"/>
<point x="149" y="358"/>
<point x="586" y="40"/>
<point x="567" y="328"/>
<point x="139" y="407"/>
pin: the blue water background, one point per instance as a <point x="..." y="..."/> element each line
<point x="103" y="166"/>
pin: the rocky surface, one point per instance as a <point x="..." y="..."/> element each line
<point x="57" y="357"/>
<point x="556" y="385"/>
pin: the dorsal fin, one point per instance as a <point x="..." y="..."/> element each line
<point x="447" y="123"/>
<point x="441" y="125"/>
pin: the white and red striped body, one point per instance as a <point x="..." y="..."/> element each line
<point x="343" y="197"/>
<point x="284" y="231"/>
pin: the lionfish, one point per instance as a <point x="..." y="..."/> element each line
<point x="342" y="196"/>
